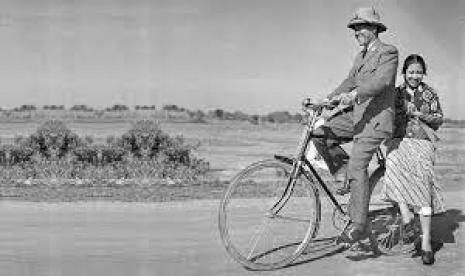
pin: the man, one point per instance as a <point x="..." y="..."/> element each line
<point x="370" y="87"/>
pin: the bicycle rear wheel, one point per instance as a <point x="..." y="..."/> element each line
<point x="390" y="233"/>
<point x="254" y="231"/>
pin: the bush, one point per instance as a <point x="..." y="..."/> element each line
<point x="99" y="155"/>
<point x="53" y="139"/>
<point x="197" y="117"/>
<point x="15" y="154"/>
<point x="146" y="140"/>
<point x="53" y="151"/>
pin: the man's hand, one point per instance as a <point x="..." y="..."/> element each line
<point x="344" y="98"/>
<point x="416" y="114"/>
<point x="306" y="102"/>
<point x="322" y="101"/>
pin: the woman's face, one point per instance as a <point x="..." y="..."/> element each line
<point x="414" y="75"/>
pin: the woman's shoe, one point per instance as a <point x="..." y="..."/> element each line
<point x="427" y="257"/>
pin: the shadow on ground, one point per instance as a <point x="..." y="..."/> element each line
<point x="443" y="227"/>
<point x="326" y="247"/>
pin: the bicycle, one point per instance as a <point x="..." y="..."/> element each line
<point x="289" y="191"/>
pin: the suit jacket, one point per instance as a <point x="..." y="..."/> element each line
<point x="374" y="77"/>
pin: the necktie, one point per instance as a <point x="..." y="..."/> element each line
<point x="364" y="52"/>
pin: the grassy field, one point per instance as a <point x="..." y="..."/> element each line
<point x="230" y="146"/>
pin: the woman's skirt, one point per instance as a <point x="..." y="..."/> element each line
<point x="409" y="176"/>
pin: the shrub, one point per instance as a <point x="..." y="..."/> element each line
<point x="147" y="141"/>
<point x="53" y="151"/>
<point x="99" y="155"/>
<point x="53" y="139"/>
<point x="14" y="154"/>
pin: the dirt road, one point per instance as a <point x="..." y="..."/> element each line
<point x="176" y="238"/>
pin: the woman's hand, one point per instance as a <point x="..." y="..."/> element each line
<point x="412" y="110"/>
<point x="416" y="114"/>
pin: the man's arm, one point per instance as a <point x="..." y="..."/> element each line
<point x="383" y="77"/>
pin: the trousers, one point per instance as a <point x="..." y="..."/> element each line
<point x="363" y="149"/>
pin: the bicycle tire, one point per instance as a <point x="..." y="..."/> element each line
<point x="245" y="195"/>
<point x="389" y="231"/>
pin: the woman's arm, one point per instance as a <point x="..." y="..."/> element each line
<point x="434" y="117"/>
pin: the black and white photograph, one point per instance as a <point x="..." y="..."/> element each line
<point x="232" y="137"/>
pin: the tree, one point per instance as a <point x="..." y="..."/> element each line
<point x="171" y="107"/>
<point x="27" y="107"/>
<point x="117" y="107"/>
<point x="81" y="107"/>
<point x="218" y="113"/>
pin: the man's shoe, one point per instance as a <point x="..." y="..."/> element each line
<point x="427" y="257"/>
<point x="351" y="235"/>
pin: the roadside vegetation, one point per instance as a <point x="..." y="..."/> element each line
<point x="143" y="162"/>
<point x="53" y="161"/>
<point x="170" y="112"/>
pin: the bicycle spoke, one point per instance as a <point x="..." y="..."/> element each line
<point x="386" y="240"/>
<point x="391" y="240"/>
<point x="256" y="237"/>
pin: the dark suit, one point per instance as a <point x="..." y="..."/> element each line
<point x="369" y="122"/>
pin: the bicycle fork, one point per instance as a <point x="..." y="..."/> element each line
<point x="296" y="170"/>
<point x="294" y="175"/>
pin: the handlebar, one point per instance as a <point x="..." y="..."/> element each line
<point x="308" y="104"/>
<point x="327" y="109"/>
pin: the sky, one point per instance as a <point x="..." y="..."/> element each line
<point x="256" y="56"/>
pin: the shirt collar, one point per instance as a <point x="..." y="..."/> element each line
<point x="371" y="46"/>
<point x="420" y="88"/>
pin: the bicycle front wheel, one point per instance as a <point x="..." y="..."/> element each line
<point x="266" y="218"/>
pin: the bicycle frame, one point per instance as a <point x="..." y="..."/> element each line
<point x="302" y="165"/>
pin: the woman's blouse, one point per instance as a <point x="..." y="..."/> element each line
<point x="425" y="100"/>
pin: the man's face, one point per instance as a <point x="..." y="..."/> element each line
<point x="364" y="34"/>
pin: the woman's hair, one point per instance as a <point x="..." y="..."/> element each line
<point x="412" y="59"/>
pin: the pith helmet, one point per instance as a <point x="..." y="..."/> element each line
<point x="367" y="15"/>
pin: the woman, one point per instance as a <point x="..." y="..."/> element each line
<point x="409" y="176"/>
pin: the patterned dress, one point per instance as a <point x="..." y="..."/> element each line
<point x="409" y="176"/>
